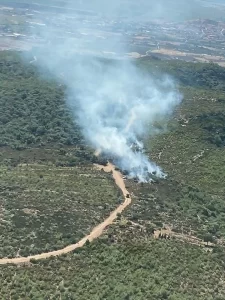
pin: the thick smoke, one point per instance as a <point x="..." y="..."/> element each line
<point x="118" y="107"/>
<point x="115" y="103"/>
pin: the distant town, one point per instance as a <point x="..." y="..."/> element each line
<point x="195" y="40"/>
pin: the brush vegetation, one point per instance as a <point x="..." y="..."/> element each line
<point x="45" y="208"/>
<point x="126" y="263"/>
<point x="51" y="195"/>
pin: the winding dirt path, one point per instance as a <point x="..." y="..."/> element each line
<point x="95" y="233"/>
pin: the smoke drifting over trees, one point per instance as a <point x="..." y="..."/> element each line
<point x="116" y="103"/>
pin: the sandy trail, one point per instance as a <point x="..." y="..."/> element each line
<point x="95" y="233"/>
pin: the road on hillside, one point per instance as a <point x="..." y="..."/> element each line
<point x="95" y="233"/>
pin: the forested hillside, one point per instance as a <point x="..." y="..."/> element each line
<point x="33" y="111"/>
<point x="169" y="244"/>
<point x="124" y="264"/>
<point x="34" y="115"/>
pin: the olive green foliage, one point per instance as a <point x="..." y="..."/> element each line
<point x="191" y="151"/>
<point x="35" y="117"/>
<point x="32" y="110"/>
<point x="45" y="208"/>
<point x="189" y="74"/>
<point x="50" y="195"/>
<point x="214" y="123"/>
<point x="124" y="264"/>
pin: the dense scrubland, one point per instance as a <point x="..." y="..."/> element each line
<point x="125" y="263"/>
<point x="191" y="150"/>
<point x="46" y="208"/>
<point x="50" y="194"/>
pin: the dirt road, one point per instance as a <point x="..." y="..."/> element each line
<point x="96" y="232"/>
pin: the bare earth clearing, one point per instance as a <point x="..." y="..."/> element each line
<point x="205" y="58"/>
<point x="96" y="232"/>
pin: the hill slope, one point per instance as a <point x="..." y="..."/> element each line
<point x="51" y="196"/>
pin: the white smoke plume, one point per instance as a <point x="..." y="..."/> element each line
<point x="118" y="106"/>
<point x="115" y="102"/>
